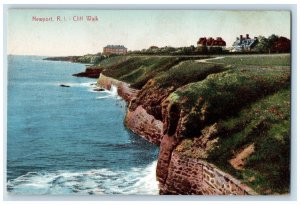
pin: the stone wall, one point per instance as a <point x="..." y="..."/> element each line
<point x="138" y="121"/>
<point x="194" y="176"/>
<point x="177" y="174"/>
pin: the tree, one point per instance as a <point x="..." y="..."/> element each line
<point x="271" y="41"/>
<point x="262" y="45"/>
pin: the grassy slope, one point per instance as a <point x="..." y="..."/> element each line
<point x="247" y="97"/>
<point x="223" y="94"/>
<point x="187" y="72"/>
<point x="137" y="70"/>
<point x="164" y="83"/>
<point x="249" y="105"/>
<point x="262" y="60"/>
<point x="266" y="123"/>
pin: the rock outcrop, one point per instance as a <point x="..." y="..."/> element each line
<point x="176" y="173"/>
<point x="90" y="72"/>
<point x="144" y="125"/>
<point x="72" y="59"/>
<point x="123" y="88"/>
<point x="151" y="98"/>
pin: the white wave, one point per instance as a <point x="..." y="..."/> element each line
<point x="112" y="93"/>
<point x="92" y="91"/>
<point x="96" y="181"/>
<point x="105" y="97"/>
<point x="114" y="90"/>
<point x="87" y="84"/>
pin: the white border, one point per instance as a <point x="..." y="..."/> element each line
<point x="178" y="199"/>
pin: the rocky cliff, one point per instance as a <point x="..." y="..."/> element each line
<point x="90" y="72"/>
<point x="214" y="123"/>
<point x="176" y="173"/>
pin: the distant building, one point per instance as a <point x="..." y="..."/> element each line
<point x="211" y="42"/>
<point x="244" y="43"/>
<point x="114" y="49"/>
<point x="281" y="45"/>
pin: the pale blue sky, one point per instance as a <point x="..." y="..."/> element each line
<point x="136" y="29"/>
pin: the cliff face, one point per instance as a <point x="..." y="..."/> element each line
<point x="90" y="72"/>
<point x="123" y="89"/>
<point x="144" y="125"/>
<point x="138" y="120"/>
<point x="209" y="119"/>
<point x="176" y="173"/>
<point x="151" y="98"/>
<point x="179" y="174"/>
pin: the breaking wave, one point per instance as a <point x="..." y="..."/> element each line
<point x="92" y="182"/>
<point x="87" y="84"/>
<point x="112" y="93"/>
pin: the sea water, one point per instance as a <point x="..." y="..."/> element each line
<point x="70" y="140"/>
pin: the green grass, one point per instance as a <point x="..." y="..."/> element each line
<point x="150" y="68"/>
<point x="223" y="94"/>
<point x="187" y="72"/>
<point x="168" y="81"/>
<point x="257" y="60"/>
<point x="124" y="67"/>
<point x="113" y="61"/>
<point x="248" y="97"/>
<point x="137" y="70"/>
<point x="266" y="123"/>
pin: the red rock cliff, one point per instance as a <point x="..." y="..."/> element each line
<point x="176" y="173"/>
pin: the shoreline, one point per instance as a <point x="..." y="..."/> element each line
<point x="176" y="173"/>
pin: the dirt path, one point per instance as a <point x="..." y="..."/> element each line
<point x="206" y="60"/>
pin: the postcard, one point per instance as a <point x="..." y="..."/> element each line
<point x="148" y="102"/>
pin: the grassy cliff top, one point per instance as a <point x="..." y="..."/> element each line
<point x="256" y="60"/>
<point x="137" y="70"/>
<point x="252" y="145"/>
<point x="234" y="112"/>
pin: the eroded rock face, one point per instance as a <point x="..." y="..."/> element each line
<point x="123" y="88"/>
<point x="176" y="173"/>
<point x="106" y="82"/>
<point x="181" y="174"/>
<point x="145" y="125"/>
<point x="151" y="98"/>
<point x="167" y="146"/>
<point x="127" y="93"/>
<point x="90" y="72"/>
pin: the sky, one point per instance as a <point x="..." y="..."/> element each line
<point x="135" y="29"/>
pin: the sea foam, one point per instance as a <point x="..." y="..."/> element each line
<point x="91" y="182"/>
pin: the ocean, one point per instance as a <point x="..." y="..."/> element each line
<point x="70" y="140"/>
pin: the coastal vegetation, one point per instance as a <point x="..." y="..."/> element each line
<point x="256" y="60"/>
<point x="233" y="112"/>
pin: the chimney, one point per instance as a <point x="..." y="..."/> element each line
<point x="247" y="36"/>
<point x="241" y="38"/>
